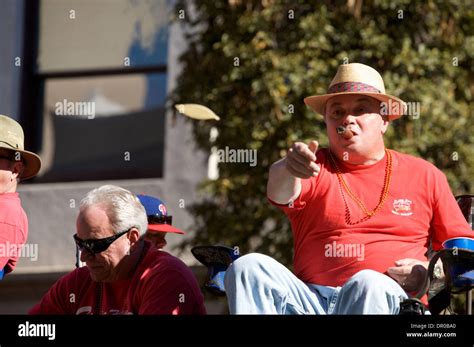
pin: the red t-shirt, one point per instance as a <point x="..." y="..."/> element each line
<point x="13" y="230"/>
<point x="419" y="207"/>
<point x="161" y="284"/>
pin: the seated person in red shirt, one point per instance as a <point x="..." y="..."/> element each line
<point x="16" y="164"/>
<point x="159" y="222"/>
<point x="124" y="274"/>
<point x="362" y="216"/>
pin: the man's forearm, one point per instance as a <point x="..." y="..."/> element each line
<point x="282" y="186"/>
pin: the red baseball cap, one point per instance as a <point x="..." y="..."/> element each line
<point x="156" y="212"/>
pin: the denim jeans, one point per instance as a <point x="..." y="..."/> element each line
<point x="258" y="284"/>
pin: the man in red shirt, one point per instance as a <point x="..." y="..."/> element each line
<point x="15" y="164"/>
<point x="124" y="274"/>
<point x="362" y="216"/>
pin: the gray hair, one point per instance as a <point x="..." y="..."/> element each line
<point x="121" y="206"/>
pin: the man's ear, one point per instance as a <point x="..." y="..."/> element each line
<point x="133" y="235"/>
<point x="17" y="169"/>
<point x="385" y="124"/>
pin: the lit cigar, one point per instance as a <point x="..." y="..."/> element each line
<point x="343" y="131"/>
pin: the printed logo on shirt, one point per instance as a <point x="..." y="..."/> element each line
<point x="84" y="310"/>
<point x="88" y="311"/>
<point x="402" y="207"/>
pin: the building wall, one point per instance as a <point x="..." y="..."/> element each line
<point x="52" y="207"/>
<point x="11" y="32"/>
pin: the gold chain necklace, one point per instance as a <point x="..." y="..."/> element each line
<point x="383" y="194"/>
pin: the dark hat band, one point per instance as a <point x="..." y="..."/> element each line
<point x="9" y="144"/>
<point x="352" y="87"/>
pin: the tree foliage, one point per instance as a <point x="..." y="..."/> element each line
<point x="253" y="62"/>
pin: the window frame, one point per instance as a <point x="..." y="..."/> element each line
<point x="33" y="81"/>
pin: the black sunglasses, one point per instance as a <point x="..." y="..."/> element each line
<point x="160" y="220"/>
<point x="99" y="245"/>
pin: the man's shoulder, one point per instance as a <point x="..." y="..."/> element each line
<point x="11" y="196"/>
<point x="412" y="162"/>
<point x="163" y="261"/>
<point x="159" y="265"/>
<point x="11" y="202"/>
<point x="12" y="214"/>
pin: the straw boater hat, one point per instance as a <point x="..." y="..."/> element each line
<point x="12" y="138"/>
<point x="359" y="79"/>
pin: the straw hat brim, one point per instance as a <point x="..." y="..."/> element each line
<point x="318" y="102"/>
<point x="31" y="162"/>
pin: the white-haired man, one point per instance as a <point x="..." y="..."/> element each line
<point x="124" y="274"/>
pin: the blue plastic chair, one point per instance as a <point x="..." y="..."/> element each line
<point x="458" y="264"/>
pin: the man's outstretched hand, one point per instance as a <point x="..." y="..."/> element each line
<point x="301" y="160"/>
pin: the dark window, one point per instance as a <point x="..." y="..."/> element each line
<point x="94" y="87"/>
